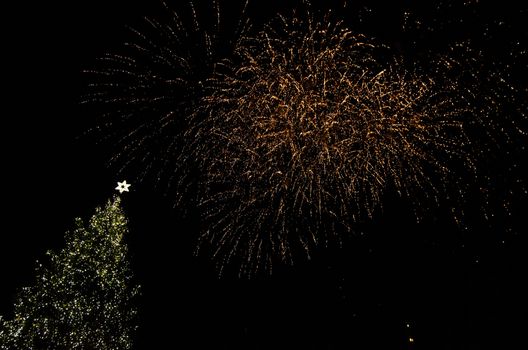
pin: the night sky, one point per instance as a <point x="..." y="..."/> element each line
<point x="394" y="284"/>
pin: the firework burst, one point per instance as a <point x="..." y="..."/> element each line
<point x="310" y="128"/>
<point x="300" y="130"/>
<point x="313" y="125"/>
<point x="150" y="88"/>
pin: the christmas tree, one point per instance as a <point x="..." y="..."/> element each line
<point x="84" y="298"/>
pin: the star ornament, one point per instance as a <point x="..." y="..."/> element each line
<point x="123" y="187"/>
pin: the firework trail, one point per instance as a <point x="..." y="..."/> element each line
<point x="301" y="129"/>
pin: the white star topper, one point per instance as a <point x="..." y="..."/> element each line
<point x="122" y="187"/>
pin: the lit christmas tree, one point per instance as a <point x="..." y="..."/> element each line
<point x="85" y="298"/>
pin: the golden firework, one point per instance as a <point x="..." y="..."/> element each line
<point x="306" y="128"/>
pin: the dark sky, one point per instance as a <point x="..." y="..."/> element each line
<point x="443" y="287"/>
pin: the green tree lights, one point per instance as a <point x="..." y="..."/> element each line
<point x="84" y="299"/>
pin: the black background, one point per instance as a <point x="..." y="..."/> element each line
<point x="455" y="289"/>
